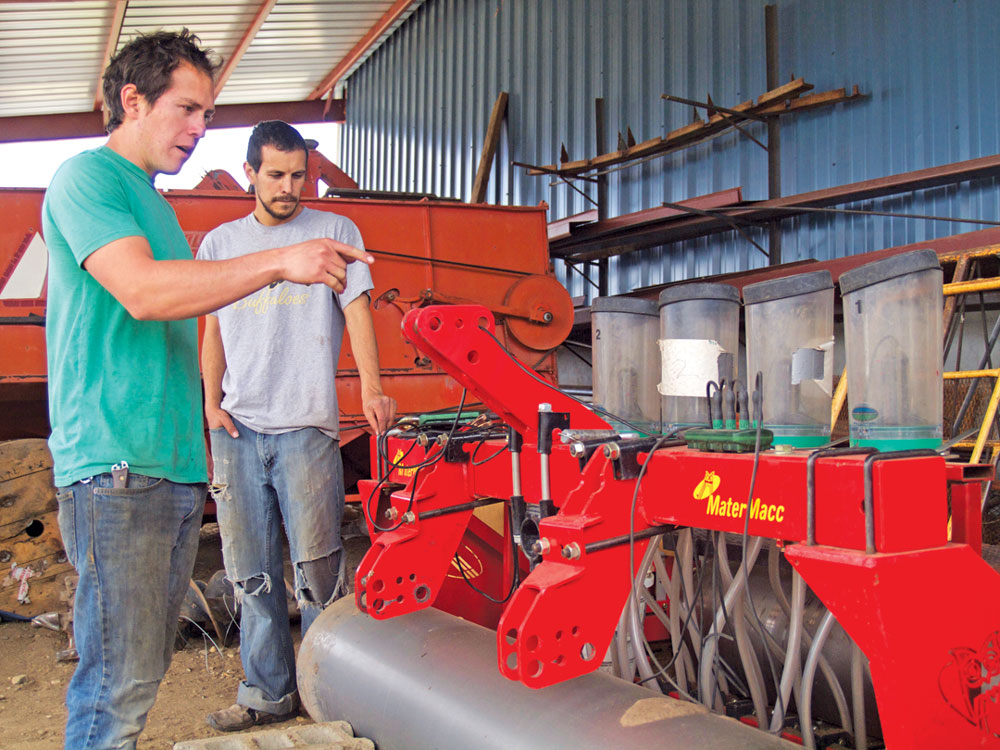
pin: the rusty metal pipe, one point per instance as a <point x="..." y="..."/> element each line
<point x="430" y="680"/>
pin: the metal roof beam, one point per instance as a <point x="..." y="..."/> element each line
<point x="248" y="36"/>
<point x="388" y="19"/>
<point x="114" y="32"/>
<point x="84" y="124"/>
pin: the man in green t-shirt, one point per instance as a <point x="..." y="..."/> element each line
<point x="124" y="390"/>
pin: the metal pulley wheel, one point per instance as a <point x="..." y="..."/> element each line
<point x="550" y="312"/>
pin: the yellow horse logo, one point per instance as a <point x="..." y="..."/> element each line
<point x="707" y="486"/>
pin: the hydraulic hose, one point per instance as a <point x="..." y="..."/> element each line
<point x="858" y="698"/>
<point x="828" y="673"/>
<point x="748" y="655"/>
<point x="635" y="626"/>
<point x="793" y="656"/>
<point x="706" y="681"/>
<point x="685" y="550"/>
<point x="808" y="675"/>
<point x="678" y="648"/>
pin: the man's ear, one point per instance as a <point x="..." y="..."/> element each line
<point x="249" y="172"/>
<point x="130" y="99"/>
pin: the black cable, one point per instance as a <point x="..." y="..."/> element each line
<point x="759" y="417"/>
<point x="382" y="480"/>
<point x="514" y="580"/>
<point x="488" y="458"/>
<point x="631" y="517"/>
<point x="423" y="465"/>
<point x="684" y="629"/>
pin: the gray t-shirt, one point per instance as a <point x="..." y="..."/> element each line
<point x="282" y="342"/>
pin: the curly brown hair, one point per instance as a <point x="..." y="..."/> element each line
<point x="148" y="61"/>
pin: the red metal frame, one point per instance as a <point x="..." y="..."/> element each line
<point x="932" y="683"/>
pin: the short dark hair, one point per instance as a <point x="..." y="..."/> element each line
<point x="149" y="61"/>
<point x="276" y="133"/>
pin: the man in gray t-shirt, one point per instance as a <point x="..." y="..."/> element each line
<point x="269" y="362"/>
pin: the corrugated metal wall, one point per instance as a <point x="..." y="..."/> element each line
<point x="418" y="110"/>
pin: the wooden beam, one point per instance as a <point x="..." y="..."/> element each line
<point x="388" y="19"/>
<point x="789" y="91"/>
<point x="813" y="101"/>
<point x="770" y="102"/>
<point x="110" y="45"/>
<point x="591" y="244"/>
<point x="84" y="124"/>
<point x="489" y="148"/>
<point x="248" y="36"/>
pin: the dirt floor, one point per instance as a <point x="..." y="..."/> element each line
<point x="201" y="678"/>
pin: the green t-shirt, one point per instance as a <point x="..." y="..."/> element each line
<point x="119" y="388"/>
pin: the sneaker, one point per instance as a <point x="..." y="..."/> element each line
<point x="237" y="718"/>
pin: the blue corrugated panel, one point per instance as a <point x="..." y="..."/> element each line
<point x="418" y="109"/>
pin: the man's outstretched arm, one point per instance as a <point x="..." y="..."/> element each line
<point x="174" y="289"/>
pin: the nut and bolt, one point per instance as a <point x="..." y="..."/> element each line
<point x="441" y="440"/>
<point x="391" y="514"/>
<point x="571" y="551"/>
<point x="364" y="580"/>
<point x="542" y="547"/>
<point x="422" y="440"/>
<point x="547" y="317"/>
<point x="545" y="407"/>
<point x="612" y="451"/>
<point x="577" y="449"/>
<point x="409" y="517"/>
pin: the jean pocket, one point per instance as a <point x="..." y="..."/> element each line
<point x="67" y="522"/>
<point x="137" y="485"/>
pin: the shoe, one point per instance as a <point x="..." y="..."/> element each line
<point x="237" y="718"/>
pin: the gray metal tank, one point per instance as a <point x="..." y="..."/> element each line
<point x="430" y="680"/>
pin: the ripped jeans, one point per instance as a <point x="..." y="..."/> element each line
<point x="261" y="481"/>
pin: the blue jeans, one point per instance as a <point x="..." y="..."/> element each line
<point x="134" y="549"/>
<point x="259" y="481"/>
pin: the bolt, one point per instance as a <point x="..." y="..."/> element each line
<point x="577" y="449"/>
<point x="612" y="451"/>
<point x="545" y="407"/>
<point x="409" y="517"/>
<point x="391" y="514"/>
<point x="441" y="440"/>
<point x="542" y="547"/>
<point x="571" y="551"/>
<point x="422" y="440"/>
<point x="364" y="580"/>
<point x="547" y="317"/>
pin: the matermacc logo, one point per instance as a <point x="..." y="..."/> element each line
<point x="707" y="486"/>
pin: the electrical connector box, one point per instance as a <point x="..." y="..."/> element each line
<point x="727" y="441"/>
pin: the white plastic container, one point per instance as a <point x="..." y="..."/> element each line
<point x="790" y="342"/>
<point x="626" y="363"/>
<point x="699" y="342"/>
<point x="892" y="331"/>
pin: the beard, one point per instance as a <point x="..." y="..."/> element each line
<point x="281" y="208"/>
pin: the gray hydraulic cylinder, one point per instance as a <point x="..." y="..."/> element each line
<point x="430" y="680"/>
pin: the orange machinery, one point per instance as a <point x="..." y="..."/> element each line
<point x="426" y="252"/>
